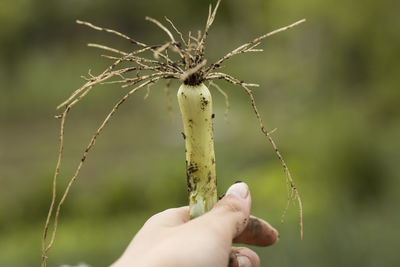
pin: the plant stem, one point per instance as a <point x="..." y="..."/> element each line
<point x="196" y="108"/>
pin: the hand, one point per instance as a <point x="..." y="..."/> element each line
<point x="170" y="239"/>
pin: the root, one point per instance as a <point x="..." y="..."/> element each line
<point x="294" y="193"/>
<point x="176" y="30"/>
<point x="249" y="47"/>
<point x="148" y="88"/>
<point x="54" y="189"/>
<point x="226" y="99"/>
<point x="162" y="70"/>
<point x="169" y="103"/>
<point x="97" y="28"/>
<point x="202" y="39"/>
<point x="77" y="171"/>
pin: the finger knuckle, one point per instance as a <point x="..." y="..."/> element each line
<point x="158" y="216"/>
<point x="232" y="204"/>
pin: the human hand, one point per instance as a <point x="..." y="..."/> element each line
<point x="171" y="239"/>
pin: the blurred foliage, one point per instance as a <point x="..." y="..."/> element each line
<point x="330" y="86"/>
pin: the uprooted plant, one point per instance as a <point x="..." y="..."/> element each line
<point x="194" y="101"/>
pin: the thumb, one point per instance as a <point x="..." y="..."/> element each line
<point x="231" y="214"/>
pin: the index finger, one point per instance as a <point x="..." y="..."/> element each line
<point x="258" y="233"/>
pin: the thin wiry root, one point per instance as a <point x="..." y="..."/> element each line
<point x="147" y="47"/>
<point x="108" y="49"/>
<point x="148" y="88"/>
<point x="159" y="24"/>
<point x="210" y="20"/>
<point x="97" y="28"/>
<point x="161" y="49"/>
<point x="54" y="189"/>
<point x="93" y="81"/>
<point x="229" y="78"/>
<point x="176" y="30"/>
<point x="293" y="190"/>
<point x="169" y="103"/>
<point x="226" y="99"/>
<point x="77" y="171"/>
<point x="250" y="45"/>
<point x="80" y="93"/>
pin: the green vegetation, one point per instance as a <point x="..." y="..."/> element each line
<point x="330" y="87"/>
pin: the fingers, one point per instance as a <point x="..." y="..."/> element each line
<point x="243" y="257"/>
<point x="230" y="215"/>
<point x="170" y="217"/>
<point x="258" y="233"/>
<point x="229" y="218"/>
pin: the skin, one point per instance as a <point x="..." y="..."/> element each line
<point x="170" y="239"/>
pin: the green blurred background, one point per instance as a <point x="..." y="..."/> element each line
<point x="330" y="86"/>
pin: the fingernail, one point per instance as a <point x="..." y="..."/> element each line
<point x="243" y="261"/>
<point x="240" y="190"/>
